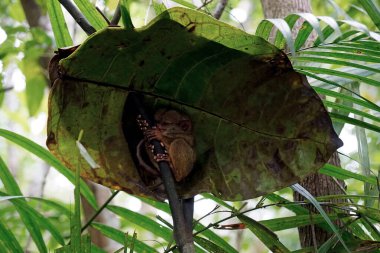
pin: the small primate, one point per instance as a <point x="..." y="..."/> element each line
<point x="174" y="130"/>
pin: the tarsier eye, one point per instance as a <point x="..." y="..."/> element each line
<point x="166" y="123"/>
<point x="185" y="125"/>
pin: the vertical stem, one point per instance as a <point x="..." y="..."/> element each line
<point x="96" y="214"/>
<point x="188" y="212"/>
<point x="182" y="233"/>
<point x="220" y="8"/>
<point x="116" y="16"/>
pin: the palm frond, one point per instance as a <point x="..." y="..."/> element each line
<point x="343" y="52"/>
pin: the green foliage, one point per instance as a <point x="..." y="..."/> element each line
<point x="83" y="246"/>
<point x="209" y="246"/>
<point x="298" y="188"/>
<point x="8" y="241"/>
<point x="142" y="221"/>
<point x="373" y="11"/>
<point x="91" y="13"/>
<point x="125" y="14"/>
<point x="59" y="26"/>
<point x="119" y="236"/>
<point x="194" y="71"/>
<point x="11" y="187"/>
<point x="49" y="159"/>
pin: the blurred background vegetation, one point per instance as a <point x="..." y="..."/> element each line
<point x="26" y="46"/>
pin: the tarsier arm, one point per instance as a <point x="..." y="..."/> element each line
<point x="174" y="131"/>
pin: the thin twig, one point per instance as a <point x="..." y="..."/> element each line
<point x="96" y="214"/>
<point x="182" y="233"/>
<point x="6" y="89"/>
<point x="261" y="201"/>
<point x="204" y="4"/>
<point x="116" y="16"/>
<point x="102" y="14"/>
<point x="220" y="8"/>
<point x="78" y="16"/>
<point x="236" y="214"/>
<point x="158" y="217"/>
<point x="207" y="214"/>
<point x="44" y="179"/>
<point x="313" y="232"/>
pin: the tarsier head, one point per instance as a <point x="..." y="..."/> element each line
<point x="173" y="121"/>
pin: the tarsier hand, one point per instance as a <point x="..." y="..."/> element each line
<point x="174" y="131"/>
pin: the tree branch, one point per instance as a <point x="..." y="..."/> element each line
<point x="78" y="16"/>
<point x="104" y="16"/>
<point x="32" y="12"/>
<point x="220" y="8"/>
<point x="5" y="89"/>
<point x="116" y="16"/>
<point x="182" y="233"/>
<point x="96" y="214"/>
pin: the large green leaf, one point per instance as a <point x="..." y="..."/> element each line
<point x="258" y="125"/>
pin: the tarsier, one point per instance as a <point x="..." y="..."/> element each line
<point x="174" y="130"/>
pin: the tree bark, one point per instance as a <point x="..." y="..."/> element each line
<point x="280" y="9"/>
<point x="319" y="185"/>
<point x="33" y="12"/>
<point x="316" y="184"/>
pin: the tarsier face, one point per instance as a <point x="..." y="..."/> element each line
<point x="172" y="121"/>
<point x="174" y="131"/>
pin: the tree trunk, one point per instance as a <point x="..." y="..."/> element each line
<point x="316" y="184"/>
<point x="280" y="9"/>
<point x="319" y="185"/>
